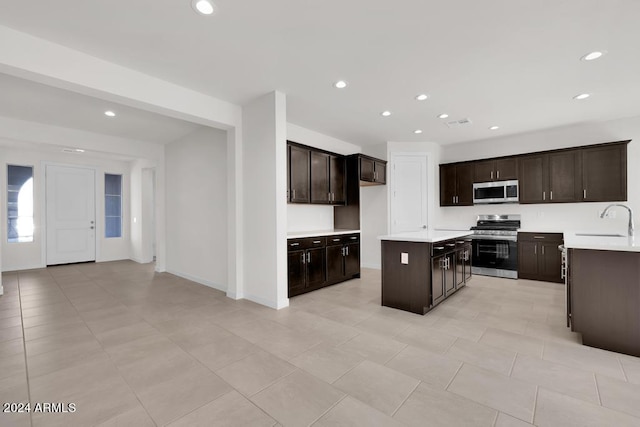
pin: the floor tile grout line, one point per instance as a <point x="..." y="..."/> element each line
<point x="535" y="406"/>
<point x="624" y="373"/>
<point x="348" y="371"/>
<point x="329" y="409"/>
<point x="406" y="398"/>
<point x="454" y="376"/>
<point x="595" y="379"/>
<point x="513" y="364"/>
<point x="24" y="348"/>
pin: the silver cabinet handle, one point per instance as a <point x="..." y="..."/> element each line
<point x="457" y="200"/>
<point x="353" y="238"/>
<point x="491" y="174"/>
<point x="294" y="244"/>
<point x="342" y="251"/>
<point x="498" y="173"/>
<point x="551" y="195"/>
<point x="335" y="240"/>
<point x="317" y="241"/>
<point x="439" y="248"/>
<point x="293" y="193"/>
<point x="453" y="199"/>
<point x="450" y="244"/>
<point x="535" y="250"/>
<point x="309" y="257"/>
<point x="538" y="237"/>
<point x="544" y="195"/>
<point x="584" y="193"/>
<point x="347" y="250"/>
<point x="303" y="259"/>
<point x="543" y="250"/>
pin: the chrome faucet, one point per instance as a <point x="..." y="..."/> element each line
<point x="631" y="227"/>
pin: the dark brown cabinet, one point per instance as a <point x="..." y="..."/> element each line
<point x="596" y="173"/>
<point x="316" y="262"/>
<point x="327" y="178"/>
<point x="343" y="257"/>
<point x="306" y="264"/>
<point x="604" y="173"/>
<point x="456" y="184"/>
<point x="417" y="276"/>
<point x="372" y="171"/>
<point x="539" y="257"/>
<point x="299" y="174"/>
<point x="496" y="170"/>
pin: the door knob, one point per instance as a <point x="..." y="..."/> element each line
<point x="91" y="227"/>
<point x="424" y="226"/>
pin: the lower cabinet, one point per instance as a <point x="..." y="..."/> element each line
<point x="316" y="262"/>
<point x="539" y="257"/>
<point x="417" y="276"/>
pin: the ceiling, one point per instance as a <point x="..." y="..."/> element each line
<point x="514" y="64"/>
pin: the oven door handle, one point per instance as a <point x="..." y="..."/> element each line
<point x="490" y="237"/>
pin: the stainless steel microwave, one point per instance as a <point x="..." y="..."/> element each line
<point x="495" y="192"/>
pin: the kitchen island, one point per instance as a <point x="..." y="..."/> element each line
<point x="421" y="269"/>
<point x="603" y="288"/>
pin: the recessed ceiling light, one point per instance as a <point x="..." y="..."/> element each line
<point x="340" y="84"/>
<point x="203" y="7"/>
<point x="109" y="113"/>
<point x="443" y="116"/>
<point x="417" y="131"/>
<point x="422" y="97"/>
<point x="592" y="55"/>
<point x="494" y="128"/>
<point x="582" y="96"/>
<point x="385" y="113"/>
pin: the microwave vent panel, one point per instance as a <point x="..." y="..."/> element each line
<point x="459" y="123"/>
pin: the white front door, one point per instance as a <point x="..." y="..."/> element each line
<point x="71" y="214"/>
<point x="408" y="192"/>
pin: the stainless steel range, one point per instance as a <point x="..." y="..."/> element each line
<point x="495" y="246"/>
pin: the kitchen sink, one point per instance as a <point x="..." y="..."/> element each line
<point x="600" y="235"/>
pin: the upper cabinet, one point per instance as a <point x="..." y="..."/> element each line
<point x="315" y="176"/>
<point x="496" y="170"/>
<point x="372" y="171"/>
<point x="596" y="173"/>
<point x="604" y="173"/>
<point x="456" y="184"/>
<point x="299" y="174"/>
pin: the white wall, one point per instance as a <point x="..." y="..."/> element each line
<point x="314" y="217"/>
<point x="196" y="207"/>
<point x="552" y="217"/>
<point x="265" y="200"/>
<point x="20" y="256"/>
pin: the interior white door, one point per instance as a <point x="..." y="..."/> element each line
<point x="71" y="214"/>
<point x="409" y="193"/>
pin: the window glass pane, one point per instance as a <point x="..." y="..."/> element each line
<point x="113" y="205"/>
<point x="19" y="203"/>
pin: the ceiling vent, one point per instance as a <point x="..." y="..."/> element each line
<point x="458" y="123"/>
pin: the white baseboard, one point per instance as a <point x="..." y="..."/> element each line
<point x="277" y="305"/>
<point x="23" y="267"/>
<point x="199" y="280"/>
<point x="375" y="266"/>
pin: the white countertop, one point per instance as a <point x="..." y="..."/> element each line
<point x="429" y="236"/>
<point x="316" y="233"/>
<point x="573" y="240"/>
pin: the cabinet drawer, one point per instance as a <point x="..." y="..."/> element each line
<point x="350" y="238"/>
<point x="306" y="243"/>
<point x="335" y="240"/>
<point x="540" y="237"/>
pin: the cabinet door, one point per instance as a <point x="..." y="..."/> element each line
<point x="467" y="262"/>
<point x="604" y="173"/>
<point x="464" y="184"/>
<point x="484" y="171"/>
<point x="447" y="185"/>
<point x="319" y="177"/>
<point x="352" y="259"/>
<point x="336" y="182"/>
<point x="450" y="274"/>
<point x="296" y="263"/>
<point x="316" y="272"/>
<point x="506" y="169"/>
<point x="528" y="260"/>
<point x="380" y="172"/>
<point x="298" y="174"/>
<point x="565" y="183"/>
<point x="533" y="179"/>
<point x="550" y="261"/>
<point x="335" y="263"/>
<point x="437" y="279"/>
<point x="367" y="168"/>
<point x="459" y="268"/>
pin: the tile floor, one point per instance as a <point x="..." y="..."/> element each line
<point x="133" y="348"/>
